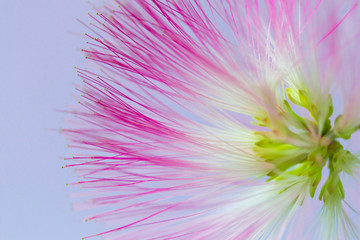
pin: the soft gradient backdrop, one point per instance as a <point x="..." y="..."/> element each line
<point x="38" y="52"/>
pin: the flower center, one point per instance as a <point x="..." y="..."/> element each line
<point x="298" y="148"/>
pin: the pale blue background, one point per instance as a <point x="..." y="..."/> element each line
<point x="38" y="53"/>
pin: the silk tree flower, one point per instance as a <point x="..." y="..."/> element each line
<point x="221" y="119"/>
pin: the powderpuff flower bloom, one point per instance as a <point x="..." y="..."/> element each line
<point x="221" y="119"/>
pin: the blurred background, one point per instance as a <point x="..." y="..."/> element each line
<point x="39" y="46"/>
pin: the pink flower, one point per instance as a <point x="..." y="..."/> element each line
<point x="222" y="119"/>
